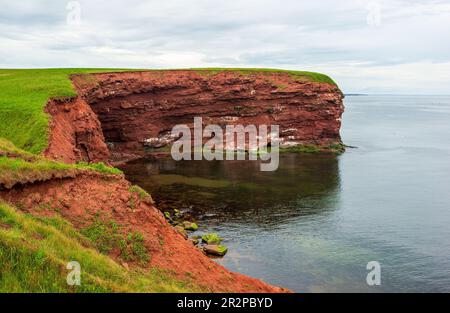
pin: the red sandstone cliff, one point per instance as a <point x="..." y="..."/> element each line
<point x="130" y="108"/>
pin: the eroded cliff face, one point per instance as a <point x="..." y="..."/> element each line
<point x="136" y="110"/>
<point x="116" y="116"/>
<point x="75" y="132"/>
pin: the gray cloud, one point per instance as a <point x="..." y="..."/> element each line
<point x="408" y="51"/>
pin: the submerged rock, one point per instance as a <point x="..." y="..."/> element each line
<point x="217" y="250"/>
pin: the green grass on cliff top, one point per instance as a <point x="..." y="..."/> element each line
<point x="23" y="96"/>
<point x="307" y="76"/>
<point x="25" y="92"/>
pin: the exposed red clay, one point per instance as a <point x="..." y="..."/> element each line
<point x="75" y="132"/>
<point x="88" y="196"/>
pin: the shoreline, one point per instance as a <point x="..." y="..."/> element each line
<point x="77" y="132"/>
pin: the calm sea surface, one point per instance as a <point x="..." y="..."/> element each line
<point x="315" y="223"/>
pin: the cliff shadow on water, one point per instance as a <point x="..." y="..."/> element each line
<point x="237" y="192"/>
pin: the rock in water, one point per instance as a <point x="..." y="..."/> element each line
<point x="212" y="239"/>
<point x="190" y="226"/>
<point x="218" y="250"/>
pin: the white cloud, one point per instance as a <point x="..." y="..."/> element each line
<point x="409" y="52"/>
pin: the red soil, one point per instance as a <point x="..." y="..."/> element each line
<point x="81" y="199"/>
<point x="76" y="133"/>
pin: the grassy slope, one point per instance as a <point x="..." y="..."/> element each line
<point x="34" y="253"/>
<point x="24" y="93"/>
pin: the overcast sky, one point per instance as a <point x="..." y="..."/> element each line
<point x="367" y="46"/>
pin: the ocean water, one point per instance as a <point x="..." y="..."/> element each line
<point x="315" y="223"/>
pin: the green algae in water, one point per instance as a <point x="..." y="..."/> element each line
<point x="190" y="181"/>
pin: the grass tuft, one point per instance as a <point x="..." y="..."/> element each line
<point x="132" y="248"/>
<point x="98" y="167"/>
<point x="104" y="235"/>
<point x="142" y="194"/>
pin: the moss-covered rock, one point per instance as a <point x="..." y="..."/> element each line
<point x="218" y="250"/>
<point x="190" y="226"/>
<point x="212" y="239"/>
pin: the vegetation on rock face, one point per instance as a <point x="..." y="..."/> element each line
<point x="142" y="194"/>
<point x="334" y="148"/>
<point x="99" y="167"/>
<point x="132" y="248"/>
<point x="107" y="236"/>
<point x="34" y="253"/>
<point x="104" y="235"/>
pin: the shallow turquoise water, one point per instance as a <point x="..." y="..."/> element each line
<point x="315" y="223"/>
